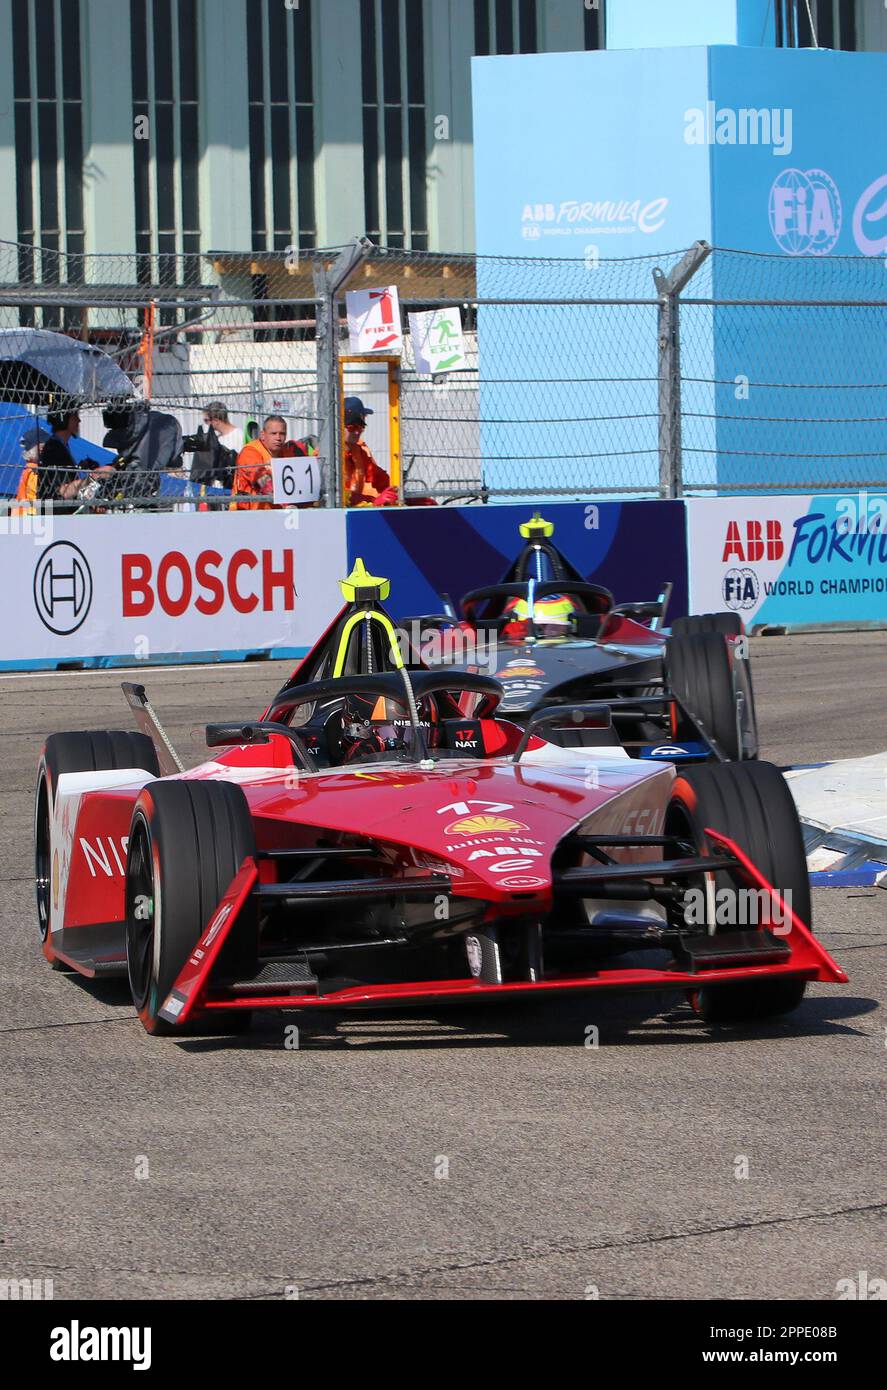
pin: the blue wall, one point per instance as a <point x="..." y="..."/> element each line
<point x="798" y="210"/>
<point x="577" y="154"/>
<point x="580" y="152"/>
<point x="631" y="548"/>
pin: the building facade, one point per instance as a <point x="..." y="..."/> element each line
<point x="162" y="127"/>
<point x="171" y="126"/>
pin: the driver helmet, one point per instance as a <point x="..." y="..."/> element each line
<point x="551" y="614"/>
<point x="370" y="729"/>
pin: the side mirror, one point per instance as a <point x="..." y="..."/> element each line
<point x="223" y="735"/>
<point x="592" y="714"/>
<point x="256" y="731"/>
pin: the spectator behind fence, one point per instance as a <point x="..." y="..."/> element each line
<point x="253" y="479"/>
<point x="59" y="476"/>
<point x="219" y="441"/>
<point x="32" y="447"/>
<point x="366" y="483"/>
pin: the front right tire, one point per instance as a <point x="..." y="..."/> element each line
<point x="730" y="624"/>
<point x="751" y="804"/>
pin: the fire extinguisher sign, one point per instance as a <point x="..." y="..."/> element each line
<point x="374" y="321"/>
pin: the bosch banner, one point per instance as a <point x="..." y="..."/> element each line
<point x="142" y="588"/>
<point x="632" y="548"/>
<point x="793" y="561"/>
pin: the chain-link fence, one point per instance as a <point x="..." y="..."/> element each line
<point x="559" y="396"/>
<point x="174" y="332"/>
<point x="696" y="371"/>
<point x="783" y="381"/>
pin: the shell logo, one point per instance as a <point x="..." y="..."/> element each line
<point x="480" y="825"/>
<point x="514" y="669"/>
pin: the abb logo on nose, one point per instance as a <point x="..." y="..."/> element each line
<point x="248" y="580"/>
<point x="758" y="544"/>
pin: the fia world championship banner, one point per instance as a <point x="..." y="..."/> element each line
<point x="127" y="589"/>
<point x="632" y="548"/>
<point x="803" y="561"/>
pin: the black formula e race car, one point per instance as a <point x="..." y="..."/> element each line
<point x="549" y="636"/>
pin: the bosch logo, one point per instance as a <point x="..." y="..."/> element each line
<point x="741" y="588"/>
<point x="248" y="581"/>
<point x="62" y="588"/>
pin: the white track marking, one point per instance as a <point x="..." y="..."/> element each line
<point x="152" y="671"/>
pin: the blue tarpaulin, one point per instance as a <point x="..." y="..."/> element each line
<point x="14" y="421"/>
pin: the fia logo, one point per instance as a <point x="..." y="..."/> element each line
<point x="805" y="212"/>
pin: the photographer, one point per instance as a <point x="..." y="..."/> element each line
<point x="215" y="451"/>
<point x="147" y="443"/>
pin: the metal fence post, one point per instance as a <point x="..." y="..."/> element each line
<point x="327" y="284"/>
<point x="253" y="394"/>
<point x="668" y="290"/>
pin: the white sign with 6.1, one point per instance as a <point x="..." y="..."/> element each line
<point x="296" y="480"/>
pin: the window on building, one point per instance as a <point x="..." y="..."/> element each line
<point x="48" y="125"/>
<point x="165" y="120"/>
<point x="280" y="91"/>
<point x="505" y="26"/>
<point x="594" y="26"/>
<point x="833" y="24"/>
<point x="394" y="122"/>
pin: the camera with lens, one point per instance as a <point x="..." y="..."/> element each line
<point x="198" y="443"/>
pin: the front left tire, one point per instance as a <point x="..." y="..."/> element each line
<point x="712" y="680"/>
<point x="187" y="841"/>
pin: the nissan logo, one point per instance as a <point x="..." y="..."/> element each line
<point x="62" y="587"/>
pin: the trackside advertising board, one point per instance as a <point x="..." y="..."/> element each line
<point x="800" y="561"/>
<point x="141" y="587"/>
<point x="632" y="548"/>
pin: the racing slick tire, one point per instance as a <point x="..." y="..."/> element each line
<point x="730" y="624"/>
<point x="187" y="841"/>
<point x="100" y="750"/>
<point x="700" y="671"/>
<point x="751" y="804"/>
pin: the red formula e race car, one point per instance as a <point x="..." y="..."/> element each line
<point x="379" y="837"/>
